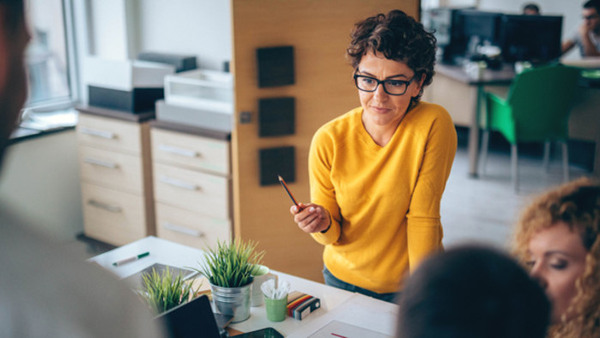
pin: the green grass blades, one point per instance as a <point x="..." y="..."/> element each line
<point x="165" y="291"/>
<point x="231" y="263"/>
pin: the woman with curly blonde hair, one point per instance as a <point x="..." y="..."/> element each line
<point x="557" y="238"/>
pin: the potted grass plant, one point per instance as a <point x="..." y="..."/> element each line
<point x="228" y="269"/>
<point x="164" y="291"/>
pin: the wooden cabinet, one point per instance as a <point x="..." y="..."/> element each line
<point x="116" y="175"/>
<point x="192" y="185"/>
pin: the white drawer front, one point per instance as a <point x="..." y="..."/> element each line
<point x="190" y="151"/>
<point x="190" y="228"/>
<point x="109" y="133"/>
<point x="112" y="216"/>
<point x="192" y="190"/>
<point x="111" y="169"/>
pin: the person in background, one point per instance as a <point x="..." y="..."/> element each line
<point x="44" y="291"/>
<point x="377" y="172"/>
<point x="531" y="9"/>
<point x="587" y="37"/>
<point x="472" y="292"/>
<point x="558" y="239"/>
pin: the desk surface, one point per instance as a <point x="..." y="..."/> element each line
<point x="347" y="307"/>
<point x="503" y="76"/>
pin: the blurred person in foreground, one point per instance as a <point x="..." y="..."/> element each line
<point x="558" y="239"/>
<point x="472" y="292"/>
<point x="377" y="172"/>
<point x="44" y="292"/>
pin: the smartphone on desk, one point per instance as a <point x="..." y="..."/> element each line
<point x="267" y="332"/>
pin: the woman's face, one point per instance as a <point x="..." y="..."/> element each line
<point x="557" y="259"/>
<point x="380" y="108"/>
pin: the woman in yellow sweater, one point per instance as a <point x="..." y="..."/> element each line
<point x="377" y="173"/>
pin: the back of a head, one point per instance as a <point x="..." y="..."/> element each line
<point x="531" y="9"/>
<point x="11" y="20"/>
<point x="470" y="292"/>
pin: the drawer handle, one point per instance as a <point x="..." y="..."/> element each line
<point x="98" y="133"/>
<point x="183" y="230"/>
<point x="100" y="163"/>
<point x="178" y="183"/>
<point x="105" y="206"/>
<point x="178" y="151"/>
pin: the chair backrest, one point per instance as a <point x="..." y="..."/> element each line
<point x="541" y="100"/>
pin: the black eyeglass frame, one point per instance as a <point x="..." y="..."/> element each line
<point x="382" y="82"/>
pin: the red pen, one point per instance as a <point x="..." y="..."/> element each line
<point x="282" y="181"/>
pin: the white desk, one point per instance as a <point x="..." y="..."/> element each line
<point x="347" y="307"/>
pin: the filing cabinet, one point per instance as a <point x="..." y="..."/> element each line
<point x="192" y="185"/>
<point x="116" y="175"/>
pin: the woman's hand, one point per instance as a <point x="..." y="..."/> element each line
<point x="311" y="217"/>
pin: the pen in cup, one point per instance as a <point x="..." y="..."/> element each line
<point x="131" y="259"/>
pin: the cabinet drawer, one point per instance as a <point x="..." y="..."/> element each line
<point x="192" y="190"/>
<point x="107" y="133"/>
<point x="190" y="228"/>
<point x="193" y="152"/>
<point x="111" y="169"/>
<point x="112" y="216"/>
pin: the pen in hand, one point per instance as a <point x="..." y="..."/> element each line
<point x="131" y="259"/>
<point x="282" y="181"/>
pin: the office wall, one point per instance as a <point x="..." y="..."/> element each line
<point x="120" y="29"/>
<point x="197" y="27"/>
<point x="107" y="26"/>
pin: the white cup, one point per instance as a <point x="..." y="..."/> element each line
<point x="475" y="70"/>
<point x="261" y="274"/>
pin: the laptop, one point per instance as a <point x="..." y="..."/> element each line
<point x="194" y="319"/>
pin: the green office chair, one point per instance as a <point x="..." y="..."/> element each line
<point x="536" y="110"/>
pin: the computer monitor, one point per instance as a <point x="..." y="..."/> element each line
<point x="467" y="24"/>
<point x="484" y="25"/>
<point x="531" y="38"/>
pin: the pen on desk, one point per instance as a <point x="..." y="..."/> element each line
<point x="131" y="259"/>
<point x="282" y="181"/>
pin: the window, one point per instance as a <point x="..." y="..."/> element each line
<point x="48" y="58"/>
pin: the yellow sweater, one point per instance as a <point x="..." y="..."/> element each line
<point x="384" y="201"/>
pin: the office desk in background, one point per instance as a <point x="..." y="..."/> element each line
<point x="462" y="96"/>
<point x="339" y="305"/>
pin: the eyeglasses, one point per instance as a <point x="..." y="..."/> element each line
<point x="390" y="86"/>
<point x="591" y="17"/>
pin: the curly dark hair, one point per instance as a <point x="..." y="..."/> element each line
<point x="576" y="204"/>
<point x="398" y="37"/>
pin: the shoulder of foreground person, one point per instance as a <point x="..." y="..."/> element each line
<point x="46" y="292"/>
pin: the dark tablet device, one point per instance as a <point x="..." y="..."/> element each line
<point x="192" y="319"/>
<point x="267" y="332"/>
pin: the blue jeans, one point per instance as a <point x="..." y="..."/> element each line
<point x="331" y="280"/>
